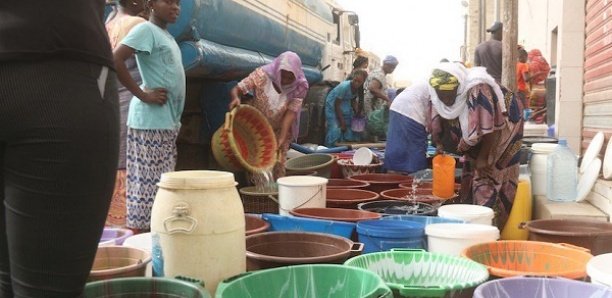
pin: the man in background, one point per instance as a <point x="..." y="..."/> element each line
<point x="489" y="53"/>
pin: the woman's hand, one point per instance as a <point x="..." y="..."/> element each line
<point x="234" y="103"/>
<point x="154" y="96"/>
<point x="439" y="149"/>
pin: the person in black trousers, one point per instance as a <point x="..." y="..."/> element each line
<point x="58" y="144"/>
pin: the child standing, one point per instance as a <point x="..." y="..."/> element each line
<point x="155" y="110"/>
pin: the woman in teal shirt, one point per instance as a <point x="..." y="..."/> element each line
<point x="155" y="110"/>
<point x="339" y="108"/>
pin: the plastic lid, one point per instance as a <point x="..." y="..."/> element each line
<point x="562" y="142"/>
<point x="301" y="181"/>
<point x="196" y="180"/>
<point x="462" y="231"/>
<point x="363" y="156"/>
<point x="599" y="268"/>
<point x="465" y="211"/>
<point x="543" y="147"/>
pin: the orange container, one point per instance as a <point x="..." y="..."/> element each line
<point x="514" y="257"/>
<point x="443" y="176"/>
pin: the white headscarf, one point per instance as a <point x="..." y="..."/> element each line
<point x="467" y="80"/>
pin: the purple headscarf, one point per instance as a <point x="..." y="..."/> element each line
<point x="291" y="62"/>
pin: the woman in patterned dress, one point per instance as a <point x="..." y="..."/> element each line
<point x="484" y="121"/>
<point x="279" y="89"/>
<point x="127" y="16"/>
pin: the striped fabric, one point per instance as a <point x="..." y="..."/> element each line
<point x="149" y="154"/>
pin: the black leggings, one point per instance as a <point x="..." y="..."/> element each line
<point x="58" y="157"/>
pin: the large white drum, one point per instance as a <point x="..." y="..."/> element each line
<point x="197" y="227"/>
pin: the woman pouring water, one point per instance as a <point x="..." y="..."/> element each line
<point x="279" y="89"/>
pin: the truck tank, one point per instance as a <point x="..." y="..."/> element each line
<point x="251" y="30"/>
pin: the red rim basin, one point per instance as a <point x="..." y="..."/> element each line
<point x="335" y="214"/>
<point x="382" y="182"/>
<point x="404" y="194"/>
<point x="349" y="198"/>
<point x="255" y="225"/>
<point x="346" y="183"/>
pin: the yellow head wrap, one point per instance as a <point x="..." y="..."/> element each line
<point x="442" y="80"/>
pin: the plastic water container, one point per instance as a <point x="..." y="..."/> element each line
<point x="383" y="235"/>
<point x="537" y="165"/>
<point x="521" y="212"/>
<point x="301" y="192"/>
<point x="198" y="227"/>
<point x="562" y="174"/>
<point x="443" y="176"/>
<point x="452" y="238"/>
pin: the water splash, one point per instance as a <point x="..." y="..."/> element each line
<point x="264" y="181"/>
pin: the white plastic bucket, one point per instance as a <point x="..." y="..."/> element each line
<point x="475" y="214"/>
<point x="142" y="241"/>
<point x="537" y="165"/>
<point x="453" y="238"/>
<point x="301" y="192"/>
<point x="599" y="269"/>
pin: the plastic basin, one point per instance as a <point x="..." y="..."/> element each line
<point x="132" y="287"/>
<point x="593" y="235"/>
<point x="394" y="207"/>
<point x="382" y="182"/>
<point x="319" y="162"/>
<point x="335" y="214"/>
<point x="142" y="241"/>
<point x="275" y="249"/>
<point x="119" y="261"/>
<point x="425" y="220"/>
<point x="533" y="258"/>
<point x="420" y="195"/>
<point x="282" y="223"/>
<point x="383" y="235"/>
<point x="349" y="198"/>
<point x="534" y="287"/>
<point x="114" y="236"/>
<point x="599" y="269"/>
<point x="306" y="281"/>
<point x="350" y="169"/>
<point x="255" y="225"/>
<point x="346" y="184"/>
<point x="429" y="274"/>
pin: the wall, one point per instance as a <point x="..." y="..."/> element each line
<point x="537" y="21"/>
<point x="598" y="72"/>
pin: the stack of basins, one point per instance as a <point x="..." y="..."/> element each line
<point x="385" y="235"/>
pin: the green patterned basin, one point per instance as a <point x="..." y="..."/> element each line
<point x="416" y="273"/>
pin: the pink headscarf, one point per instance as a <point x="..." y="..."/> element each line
<point x="288" y="61"/>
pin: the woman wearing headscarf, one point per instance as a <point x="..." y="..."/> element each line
<point x="539" y="69"/>
<point x="279" y="89"/>
<point x="482" y="121"/>
<point x="339" y="109"/>
<point x="376" y="100"/>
